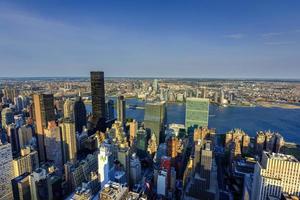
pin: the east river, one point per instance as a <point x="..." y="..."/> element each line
<point x="249" y="119"/>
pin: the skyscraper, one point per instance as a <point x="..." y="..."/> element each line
<point x="133" y="127"/>
<point x="155" y="85"/>
<point x="18" y="103"/>
<point x="45" y="185"/>
<point x="142" y="143"/>
<point x="44" y="112"/>
<point x="53" y="145"/>
<point x="206" y="165"/>
<point x="21" y="187"/>
<point x="274" y="175"/>
<point x="105" y="164"/>
<point x="121" y="110"/>
<point x="7" y="117"/>
<point x="69" y="109"/>
<point x="79" y="115"/>
<point x="155" y="119"/>
<point x="6" y="171"/>
<point x="135" y="170"/>
<point x="98" y="96"/>
<point x="69" y="139"/>
<point x="196" y="115"/>
<point x="109" y="109"/>
<point x="124" y="159"/>
<point x="172" y="145"/>
<point x="25" y="134"/>
<point x="26" y="162"/>
<point x="13" y="139"/>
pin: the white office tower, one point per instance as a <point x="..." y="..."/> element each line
<point x="162" y="182"/>
<point x="105" y="164"/>
<point x="6" y="172"/>
<point x="274" y="175"/>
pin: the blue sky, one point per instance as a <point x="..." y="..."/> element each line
<point x="151" y="38"/>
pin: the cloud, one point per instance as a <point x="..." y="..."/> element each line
<point x="235" y="36"/>
<point x="271" y="34"/>
<point x="279" y="43"/>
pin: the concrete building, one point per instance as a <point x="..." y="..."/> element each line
<point x="121" y="110"/>
<point x="13" y="139"/>
<point x="69" y="139"/>
<point x="69" y="109"/>
<point x="172" y="146"/>
<point x="80" y="171"/>
<point x="44" y="113"/>
<point x="162" y="183"/>
<point x="105" y="164"/>
<point x="135" y="170"/>
<point x="27" y="162"/>
<point x="113" y="191"/>
<point x="6" y="172"/>
<point x="133" y="128"/>
<point x="274" y="175"/>
<point x="7" y="117"/>
<point x="123" y="156"/>
<point x="21" y="187"/>
<point x="268" y="141"/>
<point x="79" y="115"/>
<point x="25" y="135"/>
<point x="54" y="145"/>
<point x="44" y="185"/>
<point x="177" y="129"/>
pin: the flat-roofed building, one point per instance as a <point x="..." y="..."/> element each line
<point x="276" y="174"/>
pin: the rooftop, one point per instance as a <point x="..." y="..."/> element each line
<point x="283" y="157"/>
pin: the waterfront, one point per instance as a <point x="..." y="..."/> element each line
<point x="250" y="119"/>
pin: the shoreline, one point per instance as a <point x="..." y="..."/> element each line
<point x="263" y="104"/>
<point x="278" y="105"/>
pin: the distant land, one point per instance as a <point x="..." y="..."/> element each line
<point x="149" y="78"/>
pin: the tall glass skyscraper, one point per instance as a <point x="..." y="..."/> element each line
<point x="79" y="115"/>
<point x="155" y="119"/>
<point x="98" y="97"/>
<point x="196" y="114"/>
<point x="121" y="110"/>
<point x="109" y="109"/>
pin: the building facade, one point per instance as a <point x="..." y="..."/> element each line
<point x="6" y="174"/>
<point x="276" y="174"/>
<point x="155" y="119"/>
<point x="197" y="111"/>
<point x="44" y="113"/>
<point x="98" y="95"/>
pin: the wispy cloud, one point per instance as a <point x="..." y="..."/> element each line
<point x="275" y="43"/>
<point x="272" y="34"/>
<point x="235" y="36"/>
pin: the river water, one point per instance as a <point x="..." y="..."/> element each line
<point x="249" y="119"/>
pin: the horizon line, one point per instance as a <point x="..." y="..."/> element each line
<point x="157" y="77"/>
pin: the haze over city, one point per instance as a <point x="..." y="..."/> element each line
<point x="199" y="39"/>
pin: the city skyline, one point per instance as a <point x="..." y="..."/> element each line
<point x="194" y="39"/>
<point x="161" y="144"/>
